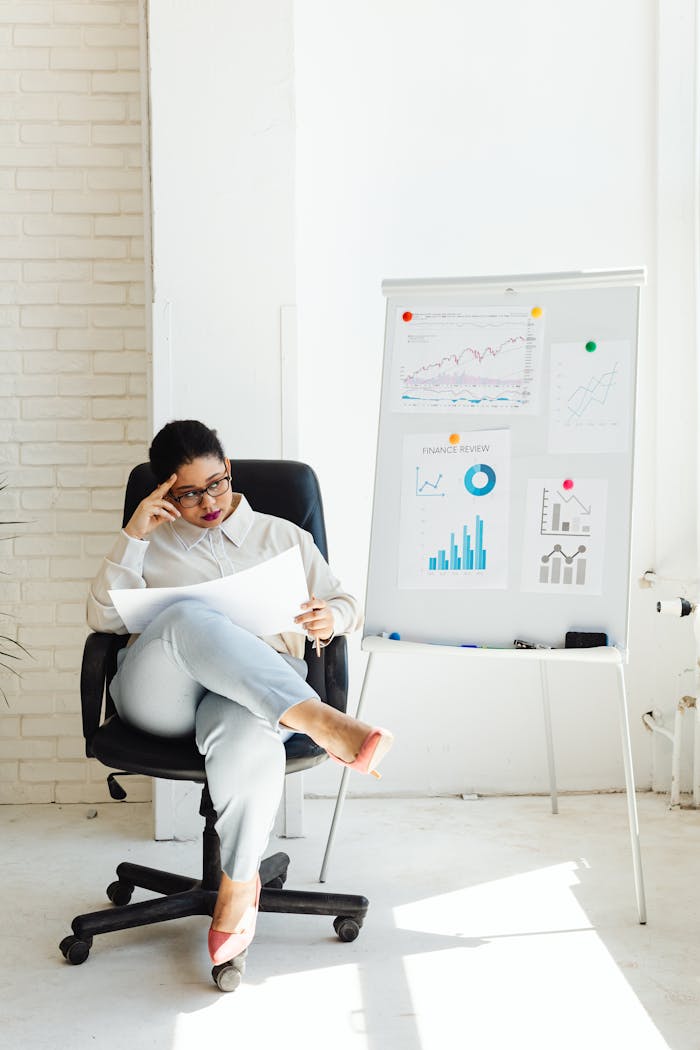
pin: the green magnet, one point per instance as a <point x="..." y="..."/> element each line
<point x="591" y="346"/>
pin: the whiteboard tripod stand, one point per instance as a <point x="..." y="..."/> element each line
<point x="605" y="655"/>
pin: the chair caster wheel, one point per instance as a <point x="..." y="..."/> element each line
<point x="346" y="928"/>
<point x="227" y="976"/>
<point x="75" y="950"/>
<point x="120" y="892"/>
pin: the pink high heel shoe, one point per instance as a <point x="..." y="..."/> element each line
<point x="226" y="946"/>
<point x="374" y="747"/>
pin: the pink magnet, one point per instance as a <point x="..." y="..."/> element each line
<point x="568" y="484"/>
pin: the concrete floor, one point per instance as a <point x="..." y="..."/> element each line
<point x="493" y="924"/>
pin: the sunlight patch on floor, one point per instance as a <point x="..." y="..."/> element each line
<point x="324" y="1000"/>
<point x="526" y="992"/>
<point x="534" y="901"/>
<point x="530" y="967"/>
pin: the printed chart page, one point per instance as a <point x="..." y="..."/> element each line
<point x="467" y="360"/>
<point x="590" y="397"/>
<point x="454" y="511"/>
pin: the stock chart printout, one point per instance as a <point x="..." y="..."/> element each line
<point x="467" y="360"/>
<point x="564" y="535"/>
<point x="591" y="397"/>
<point x="453" y="532"/>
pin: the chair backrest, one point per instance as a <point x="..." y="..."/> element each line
<point x="272" y="486"/>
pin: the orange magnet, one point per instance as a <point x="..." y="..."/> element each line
<point x="454" y="439"/>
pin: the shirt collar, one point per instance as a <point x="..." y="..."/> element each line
<point x="236" y="527"/>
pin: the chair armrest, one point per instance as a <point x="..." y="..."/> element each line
<point x="98" y="668"/>
<point x="336" y="672"/>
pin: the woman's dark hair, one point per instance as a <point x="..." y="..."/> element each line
<point x="182" y="441"/>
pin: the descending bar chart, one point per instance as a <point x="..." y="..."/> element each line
<point x="564" y="515"/>
<point x="467" y="555"/>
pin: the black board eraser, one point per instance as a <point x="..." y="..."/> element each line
<point x="584" y="639"/>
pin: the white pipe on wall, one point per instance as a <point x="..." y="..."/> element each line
<point x="696" y="289"/>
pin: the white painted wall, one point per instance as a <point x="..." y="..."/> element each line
<point x="222" y="142"/>
<point x="676" y="435"/>
<point x="466" y="138"/>
<point x="455" y="138"/>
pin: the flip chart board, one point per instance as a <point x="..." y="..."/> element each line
<point x="503" y="491"/>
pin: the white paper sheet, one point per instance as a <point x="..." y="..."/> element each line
<point x="564" y="535"/>
<point x="264" y="599"/>
<point x="591" y="397"/>
<point x="467" y="360"/>
<point x="453" y="530"/>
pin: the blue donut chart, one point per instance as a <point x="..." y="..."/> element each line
<point x="480" y="468"/>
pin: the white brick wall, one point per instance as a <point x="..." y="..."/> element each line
<point x="73" y="418"/>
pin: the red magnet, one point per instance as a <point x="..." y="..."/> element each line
<point x="408" y="316"/>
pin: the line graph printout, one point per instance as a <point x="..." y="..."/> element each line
<point x="467" y="359"/>
<point x="565" y="535"/>
<point x="590" y="397"/>
<point x="453" y="531"/>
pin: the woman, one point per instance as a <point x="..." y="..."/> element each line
<point x="242" y="696"/>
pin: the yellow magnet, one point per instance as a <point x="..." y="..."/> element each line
<point x="536" y="311"/>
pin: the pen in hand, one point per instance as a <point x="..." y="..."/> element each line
<point x="317" y="620"/>
<point x="317" y="640"/>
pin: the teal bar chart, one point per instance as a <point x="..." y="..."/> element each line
<point x="467" y="555"/>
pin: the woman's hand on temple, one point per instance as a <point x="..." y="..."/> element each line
<point x="152" y="512"/>
<point x="317" y="618"/>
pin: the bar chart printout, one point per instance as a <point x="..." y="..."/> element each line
<point x="453" y="525"/>
<point x="468" y="555"/>
<point x="560" y="567"/>
<point x="564" y="515"/>
<point x="565" y="536"/>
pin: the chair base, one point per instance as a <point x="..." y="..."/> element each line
<point x="182" y="896"/>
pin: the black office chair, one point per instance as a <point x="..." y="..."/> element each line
<point x="289" y="490"/>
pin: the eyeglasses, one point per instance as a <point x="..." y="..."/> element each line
<point x="195" y="496"/>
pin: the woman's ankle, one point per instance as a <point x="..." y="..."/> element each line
<point x="305" y="717"/>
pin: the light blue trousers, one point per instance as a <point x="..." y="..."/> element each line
<point x="193" y="670"/>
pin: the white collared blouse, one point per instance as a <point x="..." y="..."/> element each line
<point x="178" y="554"/>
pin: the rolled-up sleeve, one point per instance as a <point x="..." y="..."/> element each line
<point x="121" y="568"/>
